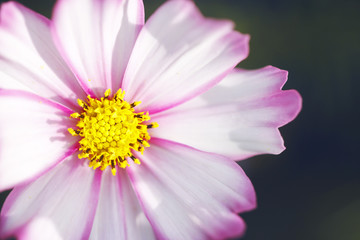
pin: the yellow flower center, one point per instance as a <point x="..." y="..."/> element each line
<point x="110" y="130"/>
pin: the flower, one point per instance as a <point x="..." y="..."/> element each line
<point x="70" y="93"/>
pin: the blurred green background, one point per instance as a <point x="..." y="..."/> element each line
<point x="310" y="191"/>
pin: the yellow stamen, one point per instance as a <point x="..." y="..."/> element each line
<point x="110" y="130"/>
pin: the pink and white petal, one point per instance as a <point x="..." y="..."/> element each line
<point x="243" y="85"/>
<point x="119" y="215"/>
<point x="233" y="118"/>
<point x="66" y="197"/>
<point x="180" y="54"/>
<point x="189" y="194"/>
<point x="39" y="229"/>
<point x="96" y="38"/>
<point x="29" y="59"/>
<point x="33" y="136"/>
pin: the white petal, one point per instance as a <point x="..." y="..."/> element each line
<point x="244" y="85"/>
<point x="96" y="38"/>
<point x="238" y="118"/>
<point x="119" y="215"/>
<point x="180" y="54"/>
<point x="188" y="194"/>
<point x="33" y="136"/>
<point x="29" y="59"/>
<point x="40" y="229"/>
<point x="65" y="196"/>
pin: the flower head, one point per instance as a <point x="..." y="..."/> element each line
<point x="110" y="131"/>
<point x="85" y="160"/>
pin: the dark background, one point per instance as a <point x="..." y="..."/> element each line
<point x="310" y="191"/>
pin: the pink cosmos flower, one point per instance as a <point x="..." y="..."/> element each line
<point x="164" y="168"/>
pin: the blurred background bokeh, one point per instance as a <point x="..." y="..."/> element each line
<point x="312" y="190"/>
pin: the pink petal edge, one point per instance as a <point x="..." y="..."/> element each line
<point x="61" y="198"/>
<point x="238" y="118"/>
<point x="166" y="70"/>
<point x="29" y="59"/>
<point x="109" y="47"/>
<point x="156" y="185"/>
<point x="20" y="99"/>
<point x="118" y="214"/>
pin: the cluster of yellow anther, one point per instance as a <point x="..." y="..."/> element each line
<point x="110" y="130"/>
